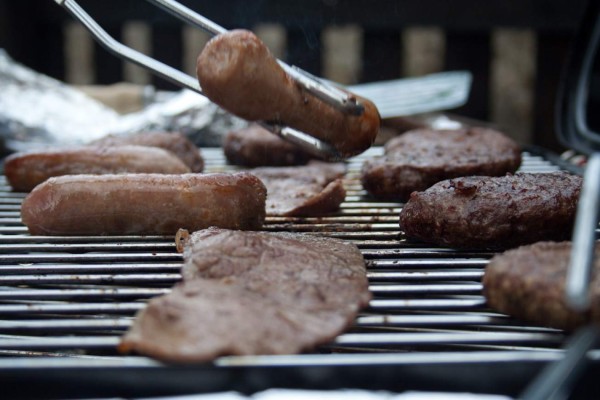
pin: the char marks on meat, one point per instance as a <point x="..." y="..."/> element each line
<point x="252" y="293"/>
<point x="255" y="146"/>
<point x="313" y="189"/>
<point x="417" y="159"/>
<point x="529" y="283"/>
<point x="494" y="212"/>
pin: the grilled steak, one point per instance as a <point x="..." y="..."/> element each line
<point x="256" y="147"/>
<point x="494" y="212"/>
<point x="417" y="159"/>
<point x="529" y="283"/>
<point x="313" y="189"/>
<point x="253" y="293"/>
<point x="174" y="142"/>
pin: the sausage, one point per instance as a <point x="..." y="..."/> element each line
<point x="146" y="204"/>
<point x="175" y="142"/>
<point x="27" y="169"/>
<point x="238" y="72"/>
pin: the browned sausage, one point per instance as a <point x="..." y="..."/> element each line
<point x="175" y="142"/>
<point x="237" y="71"/>
<point x="26" y="170"/>
<point x="144" y="204"/>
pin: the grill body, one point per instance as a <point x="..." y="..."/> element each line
<point x="65" y="301"/>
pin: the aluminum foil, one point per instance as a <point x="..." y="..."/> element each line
<point x="187" y="112"/>
<point x="37" y="111"/>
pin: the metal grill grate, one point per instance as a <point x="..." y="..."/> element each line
<point x="65" y="301"/>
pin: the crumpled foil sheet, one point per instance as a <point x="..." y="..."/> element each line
<point x="37" y="111"/>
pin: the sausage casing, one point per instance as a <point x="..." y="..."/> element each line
<point x="175" y="142"/>
<point x="26" y="170"/>
<point x="238" y="72"/>
<point x="144" y="204"/>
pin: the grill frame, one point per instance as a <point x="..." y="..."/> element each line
<point x="427" y="319"/>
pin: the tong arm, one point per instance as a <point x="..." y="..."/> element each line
<point x="119" y="49"/>
<point x="582" y="252"/>
<point x="326" y="92"/>
<point x="307" y="142"/>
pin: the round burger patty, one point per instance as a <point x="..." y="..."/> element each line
<point x="417" y="159"/>
<point x="254" y="146"/>
<point x="529" y="283"/>
<point x="494" y="212"/>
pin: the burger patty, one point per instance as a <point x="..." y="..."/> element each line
<point x="417" y="159"/>
<point x="529" y="283"/>
<point x="494" y="212"/>
<point x="251" y="293"/>
<point x="256" y="147"/>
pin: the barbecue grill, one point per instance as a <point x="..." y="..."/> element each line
<point x="65" y="301"/>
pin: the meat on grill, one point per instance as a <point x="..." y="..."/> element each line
<point x="255" y="146"/>
<point x="144" y="204"/>
<point x="313" y="189"/>
<point x="417" y="159"/>
<point x="238" y="72"/>
<point x="253" y="293"/>
<point x="529" y="283"/>
<point x="494" y="212"/>
<point x="25" y="170"/>
<point x="175" y="142"/>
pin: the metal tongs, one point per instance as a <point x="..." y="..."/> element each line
<point x="329" y="94"/>
<point x="558" y="378"/>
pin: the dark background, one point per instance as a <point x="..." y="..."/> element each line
<point x="31" y="31"/>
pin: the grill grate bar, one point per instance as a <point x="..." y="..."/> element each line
<point x="471" y="288"/>
<point x="68" y="308"/>
<point x="445" y="338"/>
<point x="91" y="279"/>
<point x="86" y="247"/>
<point x="352" y="339"/>
<point x="61" y="294"/>
<point x="37" y="343"/>
<point x="426" y="275"/>
<point x="83" y="258"/>
<point x="74" y="240"/>
<point x="425" y="304"/>
<point x="428" y="263"/>
<point x="66" y="324"/>
<point x="89" y="268"/>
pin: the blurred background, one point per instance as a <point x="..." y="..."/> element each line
<point x="515" y="49"/>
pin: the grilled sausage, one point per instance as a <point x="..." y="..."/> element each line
<point x="26" y="170"/>
<point x="237" y="71"/>
<point x="144" y="204"/>
<point x="175" y="142"/>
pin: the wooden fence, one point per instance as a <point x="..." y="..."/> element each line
<point x="514" y="48"/>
